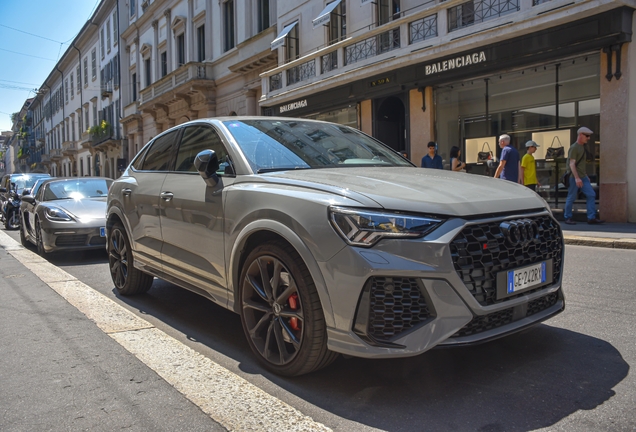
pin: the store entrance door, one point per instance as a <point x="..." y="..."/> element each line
<point x="390" y="123"/>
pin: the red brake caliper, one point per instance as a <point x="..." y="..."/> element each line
<point x="293" y="304"/>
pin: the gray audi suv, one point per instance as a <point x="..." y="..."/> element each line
<point x="326" y="241"/>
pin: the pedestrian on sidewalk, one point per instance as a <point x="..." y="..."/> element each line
<point x="509" y="166"/>
<point x="529" y="166"/>
<point x="432" y="160"/>
<point x="579" y="179"/>
<point x="455" y="163"/>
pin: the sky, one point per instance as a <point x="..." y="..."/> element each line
<point x="33" y="36"/>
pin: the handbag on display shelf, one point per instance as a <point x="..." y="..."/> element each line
<point x="484" y="156"/>
<point x="555" y="152"/>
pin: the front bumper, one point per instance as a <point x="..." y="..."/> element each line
<point x="57" y="236"/>
<point x="402" y="298"/>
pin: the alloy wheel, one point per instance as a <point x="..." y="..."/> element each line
<point x="118" y="259"/>
<point x="272" y="310"/>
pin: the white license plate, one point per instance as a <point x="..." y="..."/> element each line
<point x="102" y="231"/>
<point x="526" y="277"/>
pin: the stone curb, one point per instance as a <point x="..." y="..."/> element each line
<point x="600" y="242"/>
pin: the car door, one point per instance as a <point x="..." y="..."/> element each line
<point x="192" y="215"/>
<point x="140" y="198"/>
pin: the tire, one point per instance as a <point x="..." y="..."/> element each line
<point x="23" y="239"/>
<point x="284" y="324"/>
<point x="127" y="279"/>
<point x="13" y="220"/>
<point x="38" y="238"/>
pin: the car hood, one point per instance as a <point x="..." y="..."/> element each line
<point x="417" y="189"/>
<point x="84" y="209"/>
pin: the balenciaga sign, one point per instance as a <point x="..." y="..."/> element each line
<point x="457" y="62"/>
<point x="294" y="105"/>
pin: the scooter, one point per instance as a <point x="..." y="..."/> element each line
<point x="11" y="211"/>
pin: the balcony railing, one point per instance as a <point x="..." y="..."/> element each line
<point x="373" y="46"/>
<point x="329" y="62"/>
<point x="301" y="72"/>
<point x="104" y="134"/>
<point x="423" y="29"/>
<point x="188" y="72"/>
<point x="477" y="11"/>
<point x="276" y="81"/>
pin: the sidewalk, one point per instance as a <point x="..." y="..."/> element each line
<point x="59" y="371"/>
<point x="610" y="235"/>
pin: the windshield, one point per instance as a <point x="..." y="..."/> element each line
<point x="276" y="145"/>
<point x="24" y="182"/>
<point x="76" y="189"/>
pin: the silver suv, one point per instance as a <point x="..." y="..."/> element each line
<point x="326" y="241"/>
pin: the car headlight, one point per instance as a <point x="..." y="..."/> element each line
<point x="366" y="228"/>
<point x="56" y="214"/>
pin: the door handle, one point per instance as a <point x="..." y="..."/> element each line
<point x="126" y="192"/>
<point x="166" y="196"/>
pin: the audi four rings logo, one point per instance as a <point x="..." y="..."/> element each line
<point x="520" y="232"/>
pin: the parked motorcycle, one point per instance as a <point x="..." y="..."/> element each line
<point x="11" y="211"/>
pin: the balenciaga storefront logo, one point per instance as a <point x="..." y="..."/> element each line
<point x="457" y="62"/>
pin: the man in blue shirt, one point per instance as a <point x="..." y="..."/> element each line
<point x="509" y="163"/>
<point x="432" y="160"/>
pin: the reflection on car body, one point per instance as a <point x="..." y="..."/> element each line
<point x="326" y="241"/>
<point x="65" y="214"/>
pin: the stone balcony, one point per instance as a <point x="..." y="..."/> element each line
<point x="69" y="148"/>
<point x="56" y="154"/>
<point x="175" y="80"/>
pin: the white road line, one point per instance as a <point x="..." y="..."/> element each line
<point x="227" y="398"/>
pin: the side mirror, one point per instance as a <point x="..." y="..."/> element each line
<point x="28" y="199"/>
<point x="207" y="163"/>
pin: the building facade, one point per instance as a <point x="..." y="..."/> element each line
<point x="76" y="113"/>
<point x="189" y="59"/>
<point x="461" y="73"/>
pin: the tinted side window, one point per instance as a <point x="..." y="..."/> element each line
<point x="139" y="159"/>
<point x="196" y="139"/>
<point x="159" y="156"/>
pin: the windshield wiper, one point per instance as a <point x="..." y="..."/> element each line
<point x="266" y="170"/>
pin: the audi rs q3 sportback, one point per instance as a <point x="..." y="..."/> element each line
<point x="326" y="241"/>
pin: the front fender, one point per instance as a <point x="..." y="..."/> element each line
<point x="296" y="242"/>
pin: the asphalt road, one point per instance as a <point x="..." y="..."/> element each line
<point x="571" y="373"/>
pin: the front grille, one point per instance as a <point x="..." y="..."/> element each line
<point x="391" y="306"/>
<point x="480" y="251"/>
<point x="67" y="240"/>
<point x="97" y="241"/>
<point x="500" y="318"/>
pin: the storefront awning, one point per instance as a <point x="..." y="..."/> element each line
<point x="280" y="39"/>
<point x="325" y="16"/>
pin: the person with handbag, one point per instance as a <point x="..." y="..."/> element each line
<point x="529" y="167"/>
<point x="578" y="173"/>
<point x="509" y="165"/>
<point x="432" y="160"/>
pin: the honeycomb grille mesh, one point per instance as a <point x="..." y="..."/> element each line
<point x="396" y="305"/>
<point x="480" y="251"/>
<point x="500" y="318"/>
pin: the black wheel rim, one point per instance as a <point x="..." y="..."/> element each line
<point x="118" y="258"/>
<point x="272" y="310"/>
<point x="38" y="238"/>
